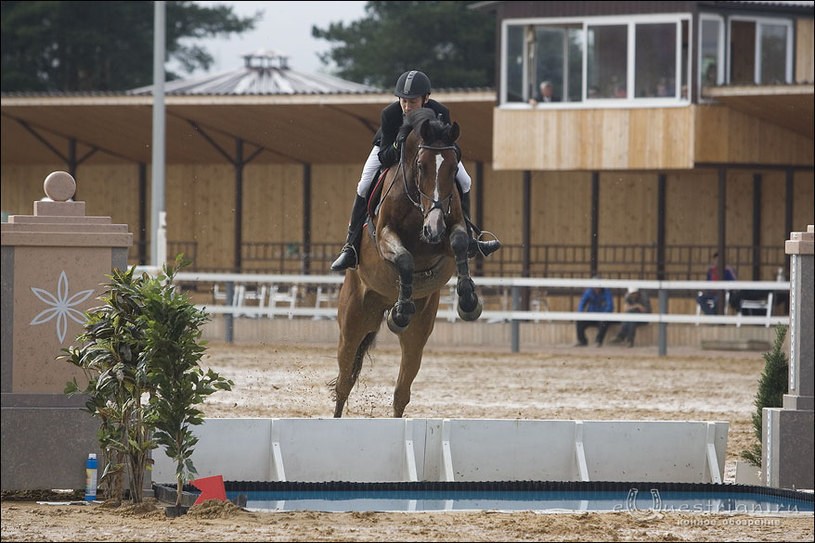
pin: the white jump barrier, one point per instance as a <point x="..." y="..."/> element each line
<point x="392" y="450"/>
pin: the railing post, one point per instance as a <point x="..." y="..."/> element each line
<point x="515" y="324"/>
<point x="229" y="318"/>
<point x="663" y="326"/>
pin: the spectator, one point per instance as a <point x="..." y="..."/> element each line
<point x="635" y="301"/>
<point x="595" y="300"/>
<point x="546" y="94"/>
<point x="709" y="300"/>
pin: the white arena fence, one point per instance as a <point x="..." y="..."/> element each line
<point x="276" y="295"/>
<point x="514" y="284"/>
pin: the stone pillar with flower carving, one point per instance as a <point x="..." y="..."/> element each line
<point x="54" y="267"/>
<point x="788" y="432"/>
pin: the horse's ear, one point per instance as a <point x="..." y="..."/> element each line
<point x="455" y="132"/>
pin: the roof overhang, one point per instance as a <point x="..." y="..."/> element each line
<point x="316" y="129"/>
<point x="789" y="106"/>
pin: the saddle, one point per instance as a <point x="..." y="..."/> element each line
<point x="374" y="198"/>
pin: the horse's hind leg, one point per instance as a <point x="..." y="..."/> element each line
<point x="413" y="340"/>
<point x="350" y="363"/>
<point x="358" y="327"/>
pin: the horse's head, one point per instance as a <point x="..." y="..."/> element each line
<point x="434" y="169"/>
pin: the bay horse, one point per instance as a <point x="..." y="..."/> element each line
<point x="414" y="244"/>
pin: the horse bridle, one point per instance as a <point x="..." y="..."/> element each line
<point x="437" y="204"/>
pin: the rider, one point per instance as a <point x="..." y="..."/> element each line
<point x="413" y="89"/>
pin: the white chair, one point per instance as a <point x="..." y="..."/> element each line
<point x="278" y="295"/>
<point x="328" y="295"/>
<point x="540" y="302"/>
<point x="255" y="294"/>
<point x="765" y="305"/>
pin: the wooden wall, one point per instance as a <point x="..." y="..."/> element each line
<point x="805" y="51"/>
<point x="723" y="134"/>
<point x="593" y="139"/>
<point x="200" y="206"/>
<point x="640" y="139"/>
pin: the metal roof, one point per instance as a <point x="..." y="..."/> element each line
<point x="200" y="129"/>
<point x="264" y="72"/>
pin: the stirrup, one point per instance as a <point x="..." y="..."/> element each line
<point x="347" y="251"/>
<point x="484" y="248"/>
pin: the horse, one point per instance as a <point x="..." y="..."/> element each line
<point x="415" y="242"/>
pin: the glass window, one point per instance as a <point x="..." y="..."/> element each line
<point x="655" y="65"/>
<point x="558" y="60"/>
<point x="760" y="51"/>
<point x="710" y="52"/>
<point x="742" y="52"/>
<point x="574" y="65"/>
<point x="685" y="58"/>
<point x="773" y="54"/>
<point x="514" y="64"/>
<point x="607" y="59"/>
<point x="600" y="58"/>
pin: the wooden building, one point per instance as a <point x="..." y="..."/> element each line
<point x="681" y="128"/>
<point x="644" y="184"/>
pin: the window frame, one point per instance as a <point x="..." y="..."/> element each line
<point x="759" y="20"/>
<point x="631" y="22"/>
<point x="721" y="71"/>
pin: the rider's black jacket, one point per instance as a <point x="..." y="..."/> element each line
<point x="389" y="128"/>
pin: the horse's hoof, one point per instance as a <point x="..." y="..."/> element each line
<point x="394" y="326"/>
<point x="471" y="315"/>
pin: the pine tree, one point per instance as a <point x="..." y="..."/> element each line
<point x="771" y="389"/>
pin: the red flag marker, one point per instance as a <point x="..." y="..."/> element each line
<point x="212" y="488"/>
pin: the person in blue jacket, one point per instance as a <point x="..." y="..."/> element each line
<point x="594" y="300"/>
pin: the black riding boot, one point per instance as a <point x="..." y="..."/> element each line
<point x="348" y="255"/>
<point x="486" y="248"/>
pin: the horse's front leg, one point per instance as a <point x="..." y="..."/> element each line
<point x="469" y="305"/>
<point x="394" y="252"/>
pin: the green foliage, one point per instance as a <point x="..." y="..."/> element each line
<point x="102" y="46"/>
<point x="771" y="389"/>
<point x="117" y="380"/>
<point x="174" y="348"/>
<point x="453" y="44"/>
<point x="140" y="353"/>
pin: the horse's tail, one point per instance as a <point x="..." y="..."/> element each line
<point x="363" y="348"/>
<point x="364" y="345"/>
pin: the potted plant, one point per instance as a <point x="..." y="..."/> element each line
<point x="140" y="352"/>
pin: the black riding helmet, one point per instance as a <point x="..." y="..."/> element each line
<point x="412" y="84"/>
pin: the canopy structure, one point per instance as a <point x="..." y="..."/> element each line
<point x="279" y="114"/>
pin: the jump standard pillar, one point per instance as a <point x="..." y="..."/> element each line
<point x="54" y="267"/>
<point x="787" y="432"/>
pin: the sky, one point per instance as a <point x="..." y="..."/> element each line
<point x="285" y="27"/>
